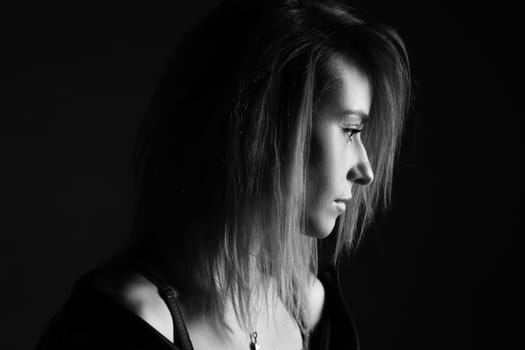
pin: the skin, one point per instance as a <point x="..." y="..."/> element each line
<point x="338" y="156"/>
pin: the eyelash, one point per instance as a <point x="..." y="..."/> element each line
<point x="350" y="132"/>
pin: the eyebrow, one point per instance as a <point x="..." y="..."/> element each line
<point x="358" y="113"/>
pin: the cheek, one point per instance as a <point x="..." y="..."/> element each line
<point x="326" y="170"/>
<point x="317" y="171"/>
<point x="327" y="164"/>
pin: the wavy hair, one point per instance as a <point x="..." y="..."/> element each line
<point x="222" y="154"/>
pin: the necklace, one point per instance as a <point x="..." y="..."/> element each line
<point x="253" y="341"/>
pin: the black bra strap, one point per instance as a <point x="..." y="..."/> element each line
<point x="180" y="331"/>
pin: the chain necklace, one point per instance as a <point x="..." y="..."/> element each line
<point x="253" y="341"/>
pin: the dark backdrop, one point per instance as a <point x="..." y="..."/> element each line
<point x="435" y="272"/>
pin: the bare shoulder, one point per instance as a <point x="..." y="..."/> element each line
<point x="316" y="298"/>
<point x="139" y="295"/>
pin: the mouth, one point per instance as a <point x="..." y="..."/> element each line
<point x="340" y="205"/>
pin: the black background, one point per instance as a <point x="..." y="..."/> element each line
<point x="434" y="272"/>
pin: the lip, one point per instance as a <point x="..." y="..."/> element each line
<point x="340" y="205"/>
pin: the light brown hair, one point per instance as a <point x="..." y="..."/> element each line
<point x="222" y="155"/>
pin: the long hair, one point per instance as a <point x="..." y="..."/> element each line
<point x="222" y="155"/>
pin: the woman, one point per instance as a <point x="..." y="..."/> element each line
<point x="275" y="125"/>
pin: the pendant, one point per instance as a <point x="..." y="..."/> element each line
<point x="253" y="341"/>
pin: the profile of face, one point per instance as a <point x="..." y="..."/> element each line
<point x="338" y="158"/>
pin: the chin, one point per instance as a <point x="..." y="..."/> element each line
<point x="320" y="228"/>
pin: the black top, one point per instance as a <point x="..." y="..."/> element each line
<point x="92" y="320"/>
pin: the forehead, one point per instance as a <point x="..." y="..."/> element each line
<point x="351" y="88"/>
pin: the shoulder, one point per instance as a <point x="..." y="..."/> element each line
<point x="137" y="294"/>
<point x="315" y="301"/>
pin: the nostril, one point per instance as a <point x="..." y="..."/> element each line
<point x="365" y="179"/>
<point x="367" y="175"/>
<point x="361" y="174"/>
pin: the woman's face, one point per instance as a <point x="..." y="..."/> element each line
<point x="338" y="157"/>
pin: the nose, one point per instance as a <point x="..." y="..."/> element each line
<point x="361" y="172"/>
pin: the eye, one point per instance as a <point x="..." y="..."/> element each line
<point x="350" y="132"/>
